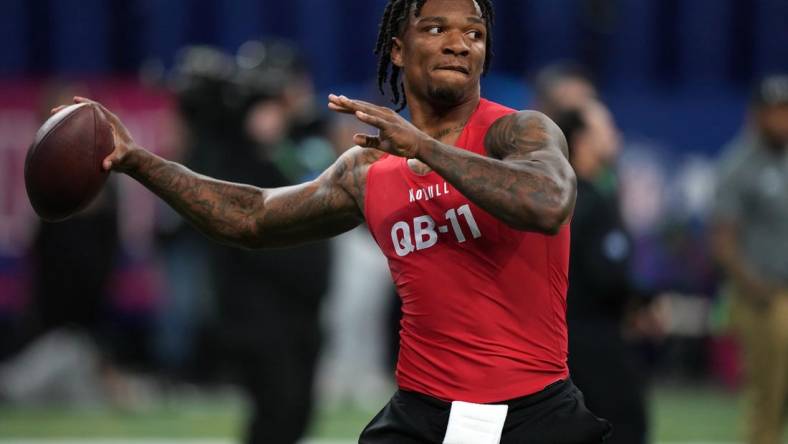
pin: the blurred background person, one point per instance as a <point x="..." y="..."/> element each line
<point x="751" y="245"/>
<point x="251" y="118"/>
<point x="562" y="86"/>
<point x="600" y="295"/>
<point x="355" y="371"/>
<point x="268" y="302"/>
<point x="602" y="306"/>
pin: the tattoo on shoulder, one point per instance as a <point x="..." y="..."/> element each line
<point x="451" y="130"/>
<point x="521" y="133"/>
<point x="351" y="171"/>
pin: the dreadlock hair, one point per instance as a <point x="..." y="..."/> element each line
<point x="395" y="17"/>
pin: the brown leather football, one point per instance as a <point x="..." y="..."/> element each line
<point x="63" y="172"/>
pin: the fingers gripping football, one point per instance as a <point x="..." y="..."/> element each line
<point x="123" y="140"/>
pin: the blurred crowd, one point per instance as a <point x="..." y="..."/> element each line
<point x="669" y="254"/>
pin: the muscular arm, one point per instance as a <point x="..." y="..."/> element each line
<point x="526" y="182"/>
<point x="251" y="217"/>
<point x="244" y="215"/>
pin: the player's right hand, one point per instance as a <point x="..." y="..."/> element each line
<point x="118" y="159"/>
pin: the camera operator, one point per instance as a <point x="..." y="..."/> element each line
<point x="266" y="330"/>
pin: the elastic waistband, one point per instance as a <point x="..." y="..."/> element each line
<point x="554" y="389"/>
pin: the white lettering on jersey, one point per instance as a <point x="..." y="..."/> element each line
<point x="424" y="226"/>
<point x="424" y="234"/>
<point x="400" y="236"/>
<point x="428" y="193"/>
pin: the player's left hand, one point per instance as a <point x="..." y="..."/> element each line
<point x="397" y="136"/>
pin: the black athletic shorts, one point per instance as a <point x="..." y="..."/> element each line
<point x="555" y="415"/>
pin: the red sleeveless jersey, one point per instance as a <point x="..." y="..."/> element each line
<point x="483" y="304"/>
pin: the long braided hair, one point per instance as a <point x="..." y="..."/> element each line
<point x="395" y="16"/>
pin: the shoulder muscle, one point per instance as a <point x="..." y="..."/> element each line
<point x="349" y="173"/>
<point x="524" y="132"/>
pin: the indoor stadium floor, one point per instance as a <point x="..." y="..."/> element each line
<point x="191" y="441"/>
<point x="681" y="415"/>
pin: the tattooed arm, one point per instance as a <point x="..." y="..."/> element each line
<point x="250" y="217"/>
<point x="526" y="182"/>
<point x="244" y="215"/>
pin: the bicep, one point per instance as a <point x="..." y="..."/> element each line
<point x="531" y="141"/>
<point x="520" y="134"/>
<point x="314" y="210"/>
<point x="533" y="145"/>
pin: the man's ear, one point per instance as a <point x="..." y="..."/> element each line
<point x="396" y="52"/>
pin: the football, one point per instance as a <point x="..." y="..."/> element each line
<point x="63" y="171"/>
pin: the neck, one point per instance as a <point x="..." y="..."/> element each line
<point x="440" y="120"/>
<point x="586" y="168"/>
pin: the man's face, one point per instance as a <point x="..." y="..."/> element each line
<point x="773" y="123"/>
<point x="442" y="51"/>
<point x="568" y="93"/>
<point x="603" y="139"/>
